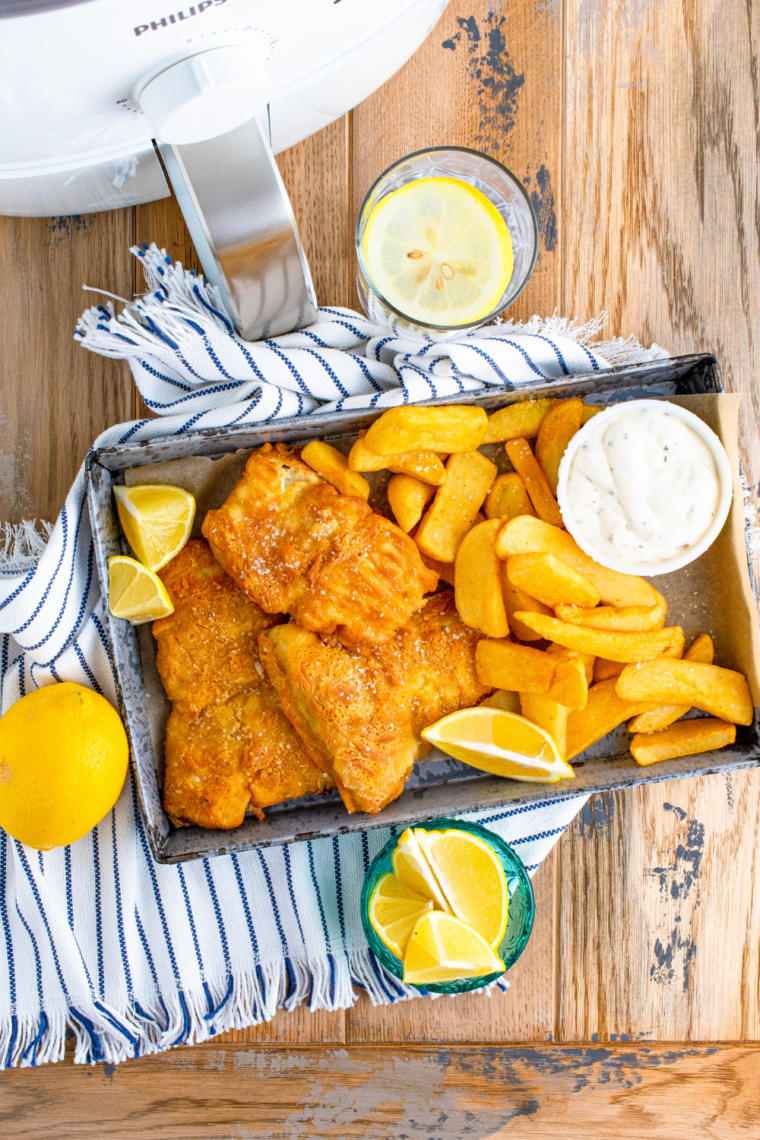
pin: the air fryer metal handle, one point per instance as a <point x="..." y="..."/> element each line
<point x="240" y="219"/>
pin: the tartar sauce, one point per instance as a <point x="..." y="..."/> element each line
<point x="643" y="487"/>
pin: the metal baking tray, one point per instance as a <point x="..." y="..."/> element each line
<point x="439" y="786"/>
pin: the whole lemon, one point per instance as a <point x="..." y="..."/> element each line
<point x="63" y="762"/>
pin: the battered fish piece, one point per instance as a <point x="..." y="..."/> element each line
<point x="360" y="716"/>
<point x="229" y="746"/>
<point x="296" y="546"/>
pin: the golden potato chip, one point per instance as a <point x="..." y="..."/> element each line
<point x="605" y="643"/>
<point x="720" y="692"/>
<point x="508" y="498"/>
<point x="527" y="467"/>
<point x="503" y="699"/>
<point x="701" y="650"/>
<point x="456" y="428"/>
<point x="547" y="714"/>
<point x="632" y="618"/>
<point x="515" y="599"/>
<point x="423" y="465"/>
<point x="456" y="505"/>
<point x="504" y="665"/>
<point x="587" y="658"/>
<point x="526" y="535"/>
<point x="551" y="580"/>
<point x="604" y="711"/>
<point x="332" y="465"/>
<point x="477" y="581"/>
<point x="408" y="498"/>
<point x="687" y="738"/>
<point x="517" y="421"/>
<point x="556" y="431"/>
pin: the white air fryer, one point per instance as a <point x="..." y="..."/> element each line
<point x="93" y="91"/>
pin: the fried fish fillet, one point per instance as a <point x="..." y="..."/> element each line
<point x="296" y="546"/>
<point x="360" y="716"/>
<point x="229" y="746"/>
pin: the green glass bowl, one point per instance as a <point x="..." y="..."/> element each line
<point x="522" y="906"/>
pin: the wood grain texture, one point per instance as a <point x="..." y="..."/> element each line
<point x="487" y="77"/>
<point x="659" y="930"/>
<point x="231" y="1092"/>
<point x="301" y="1026"/>
<point x="524" y="1013"/>
<point x="55" y="397"/>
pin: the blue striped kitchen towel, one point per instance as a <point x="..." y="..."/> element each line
<point x="131" y="956"/>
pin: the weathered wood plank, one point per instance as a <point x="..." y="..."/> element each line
<point x="301" y="1026"/>
<point x="395" y="1094"/>
<point x="659" y="933"/>
<point x="487" y="77"/>
<point x="524" y="1013"/>
<point x="660" y="198"/>
<point x="55" y="397"/>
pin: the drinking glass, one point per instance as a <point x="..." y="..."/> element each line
<point x="493" y="180"/>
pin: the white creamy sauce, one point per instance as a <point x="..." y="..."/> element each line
<point x="643" y="487"/>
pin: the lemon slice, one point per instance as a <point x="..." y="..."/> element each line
<point x="136" y="593"/>
<point x="156" y="521"/>
<point x="411" y="867"/>
<point x="500" y="742"/>
<point x="471" y="877"/>
<point x="394" y="909"/>
<point x="442" y="949"/>
<point x="439" y="251"/>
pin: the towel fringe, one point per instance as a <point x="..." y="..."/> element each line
<point x="22" y="544"/>
<point x="617" y="350"/>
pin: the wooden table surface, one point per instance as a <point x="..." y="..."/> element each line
<point x="635" y="1012"/>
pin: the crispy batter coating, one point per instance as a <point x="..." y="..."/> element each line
<point x="229" y="746"/>
<point x="296" y="546"/>
<point x="360" y="717"/>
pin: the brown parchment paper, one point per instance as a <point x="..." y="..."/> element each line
<point x="713" y="595"/>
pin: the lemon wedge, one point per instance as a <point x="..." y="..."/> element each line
<point x="136" y="593"/>
<point x="439" y="251"/>
<point x="500" y="742"/>
<point x="470" y="874"/>
<point x="412" y="867"/>
<point x="156" y="521"/>
<point x="442" y="949"/>
<point x="394" y="909"/>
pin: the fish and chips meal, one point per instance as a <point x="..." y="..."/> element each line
<point x="313" y="641"/>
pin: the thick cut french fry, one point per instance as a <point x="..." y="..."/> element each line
<point x="503" y="699"/>
<point x="720" y="692"/>
<point x="408" y="498"/>
<point x="587" y="658"/>
<point x="456" y="505"/>
<point x="604" y="669"/>
<point x="590" y="410"/>
<point x="556" y="431"/>
<point x="547" y="714"/>
<point x="632" y="619"/>
<point x="606" y="643"/>
<point x="477" y="581"/>
<point x="506" y="665"/>
<point x="515" y="599"/>
<point x="701" y="650"/>
<point x="526" y="535"/>
<point x="444" y="570"/>
<point x="528" y="468"/>
<point x="551" y="580"/>
<point x="687" y="738"/>
<point x="508" y="498"/>
<point x="604" y="711"/>
<point x="456" y="428"/>
<point x="332" y="465"/>
<point x="423" y="465"/>
<point x="517" y="421"/>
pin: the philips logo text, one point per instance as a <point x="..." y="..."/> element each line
<point x="177" y="17"/>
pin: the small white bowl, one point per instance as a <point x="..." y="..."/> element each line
<point x="722" y="465"/>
